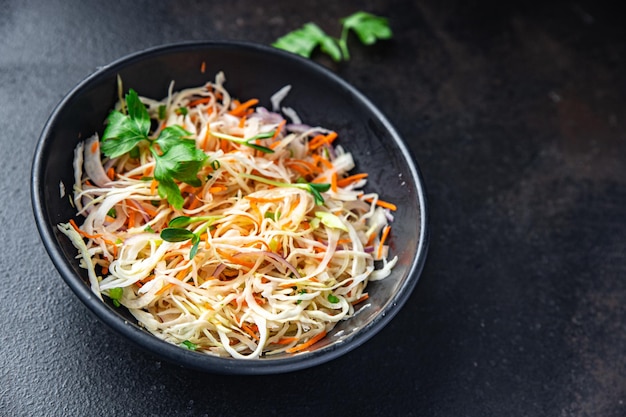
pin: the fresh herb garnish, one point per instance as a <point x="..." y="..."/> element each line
<point x="187" y="344"/>
<point x="333" y="299"/>
<point x="115" y="294"/>
<point x="368" y="27"/>
<point x="176" y="157"/>
<point x="314" y="188"/>
<point x="300" y="292"/>
<point x="175" y="231"/>
<point x="304" y="40"/>
<point x="247" y="142"/>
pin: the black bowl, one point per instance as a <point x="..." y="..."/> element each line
<point x="319" y="97"/>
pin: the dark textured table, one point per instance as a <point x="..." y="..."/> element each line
<point x="516" y="114"/>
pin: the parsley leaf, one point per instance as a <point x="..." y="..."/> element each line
<point x="304" y="40"/>
<point x="176" y="157"/>
<point x="368" y="27"/>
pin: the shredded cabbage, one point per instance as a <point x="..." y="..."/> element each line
<point x="273" y="271"/>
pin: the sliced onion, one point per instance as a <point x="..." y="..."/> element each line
<point x="279" y="96"/>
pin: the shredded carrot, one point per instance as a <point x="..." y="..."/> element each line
<point x="352" y="178"/>
<point x="235" y="260"/>
<point x="324" y="161"/>
<point x="153" y="187"/>
<point x="242" y="108"/>
<point x="371" y="239"/>
<point x="111" y="173"/>
<point x="279" y="128"/>
<point x="181" y="274"/>
<point x="286" y="340"/>
<point x="316" y="142"/>
<point x="105" y="270"/>
<point x="148" y="171"/>
<point x="382" y="241"/>
<point x="274" y="145"/>
<point x="131" y="220"/>
<point x="301" y="170"/>
<point x="248" y="330"/>
<point x="148" y="208"/>
<point x="194" y="204"/>
<point x="360" y="300"/>
<point x="203" y="100"/>
<point x="333" y="182"/>
<point x="217" y="189"/>
<point x="88" y="236"/>
<point x="94" y="146"/>
<point x="321" y="140"/>
<point x="320" y="179"/>
<point x="383" y="204"/>
<point x="308" y="166"/>
<point x="310" y="342"/>
<point x="164" y="288"/>
<point x="242" y="121"/>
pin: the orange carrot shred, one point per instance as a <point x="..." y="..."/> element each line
<point x="382" y="241"/>
<point x="203" y="100"/>
<point x="111" y="173"/>
<point x="286" y="340"/>
<point x="352" y="178"/>
<point x="153" y="187"/>
<point x="241" y="109"/>
<point x="279" y="128"/>
<point x="248" y="330"/>
<point x="333" y="182"/>
<point x="308" y="343"/>
<point x="88" y="236"/>
<point x="383" y="204"/>
<point x="164" y="288"/>
<point x="360" y="300"/>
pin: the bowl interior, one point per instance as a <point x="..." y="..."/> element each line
<point x="319" y="97"/>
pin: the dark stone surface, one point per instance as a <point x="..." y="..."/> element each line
<point x="516" y="113"/>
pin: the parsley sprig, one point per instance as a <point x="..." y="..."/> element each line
<point x="368" y="27"/>
<point x="176" y="156"/>
<point x="176" y="232"/>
